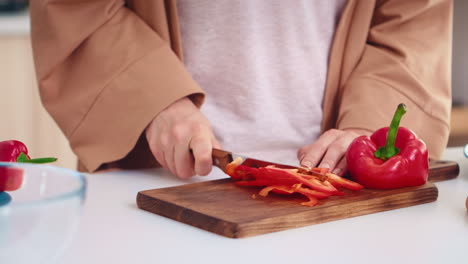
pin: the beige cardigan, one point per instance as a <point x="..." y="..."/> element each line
<point x="106" y="68"/>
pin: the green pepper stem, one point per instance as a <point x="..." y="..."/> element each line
<point x="24" y="159"/>
<point x="40" y="160"/>
<point x="389" y="150"/>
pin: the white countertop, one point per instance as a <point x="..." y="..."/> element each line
<point x="14" y="24"/>
<point x="114" y="230"/>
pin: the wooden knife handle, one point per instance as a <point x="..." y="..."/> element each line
<point x="221" y="158"/>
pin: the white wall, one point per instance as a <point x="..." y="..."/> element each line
<point x="22" y="116"/>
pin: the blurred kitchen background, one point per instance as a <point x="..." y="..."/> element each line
<point x="22" y="116"/>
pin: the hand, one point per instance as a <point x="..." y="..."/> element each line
<point x="329" y="150"/>
<point x="175" y="131"/>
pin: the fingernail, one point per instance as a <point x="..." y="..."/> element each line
<point x="307" y="164"/>
<point x="337" y="171"/>
<point x="324" y="165"/>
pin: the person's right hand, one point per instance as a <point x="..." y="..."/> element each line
<point x="175" y="131"/>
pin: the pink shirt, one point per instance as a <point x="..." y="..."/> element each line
<point x="263" y="65"/>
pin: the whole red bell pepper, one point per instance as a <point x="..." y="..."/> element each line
<point x="392" y="157"/>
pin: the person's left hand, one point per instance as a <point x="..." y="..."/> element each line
<point x="329" y="150"/>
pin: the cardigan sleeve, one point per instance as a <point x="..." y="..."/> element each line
<point x="103" y="75"/>
<point x="406" y="59"/>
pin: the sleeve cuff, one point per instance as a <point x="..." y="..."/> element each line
<point x="118" y="117"/>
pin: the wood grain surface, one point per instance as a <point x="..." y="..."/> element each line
<point x="224" y="208"/>
<point x="442" y="170"/>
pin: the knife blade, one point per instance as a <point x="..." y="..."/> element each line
<point x="221" y="158"/>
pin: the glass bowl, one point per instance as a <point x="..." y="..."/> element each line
<point x="37" y="221"/>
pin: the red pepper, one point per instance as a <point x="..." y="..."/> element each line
<point x="311" y="183"/>
<point x="267" y="176"/>
<point x="11" y="178"/>
<point x="338" y="181"/>
<point x="310" y="194"/>
<point x="392" y="157"/>
<point x="15" y="151"/>
<point x="11" y="149"/>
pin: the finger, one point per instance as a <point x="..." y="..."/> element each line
<point x="169" y="159"/>
<point x="159" y="155"/>
<point x="310" y="155"/>
<point x="155" y="148"/>
<point x="335" y="152"/>
<point x="341" y="167"/>
<point x="202" y="147"/>
<point x="183" y="159"/>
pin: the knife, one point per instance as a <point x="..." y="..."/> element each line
<point x="221" y="158"/>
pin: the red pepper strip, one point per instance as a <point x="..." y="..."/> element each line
<point x="287" y="177"/>
<point x="262" y="176"/>
<point x="298" y="188"/>
<point x="278" y="176"/>
<point x="232" y="169"/>
<point x="321" y="170"/>
<point x="338" y="181"/>
<point x="287" y="181"/>
<point x="315" y="183"/>
<point x="292" y="189"/>
<point x="253" y="183"/>
<point x="266" y="176"/>
<point x="328" y="182"/>
<point x="244" y="172"/>
<point x="289" y="190"/>
<point x="314" y="193"/>
<point x="11" y="178"/>
<point x="277" y="189"/>
<point x="312" y="201"/>
<point x="309" y="181"/>
<point x="391" y="158"/>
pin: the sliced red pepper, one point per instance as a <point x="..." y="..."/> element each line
<point x="232" y="169"/>
<point x="321" y="186"/>
<point x="253" y="183"/>
<point x="289" y="190"/>
<point x="11" y="178"/>
<point x="314" y="193"/>
<point x="277" y="189"/>
<point x="266" y="176"/>
<point x="325" y="181"/>
<point x="314" y="184"/>
<point x="291" y="176"/>
<point x="338" y="181"/>
<point x="320" y="170"/>
<point x="312" y="201"/>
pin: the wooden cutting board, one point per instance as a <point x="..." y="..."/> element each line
<point x="224" y="208"/>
